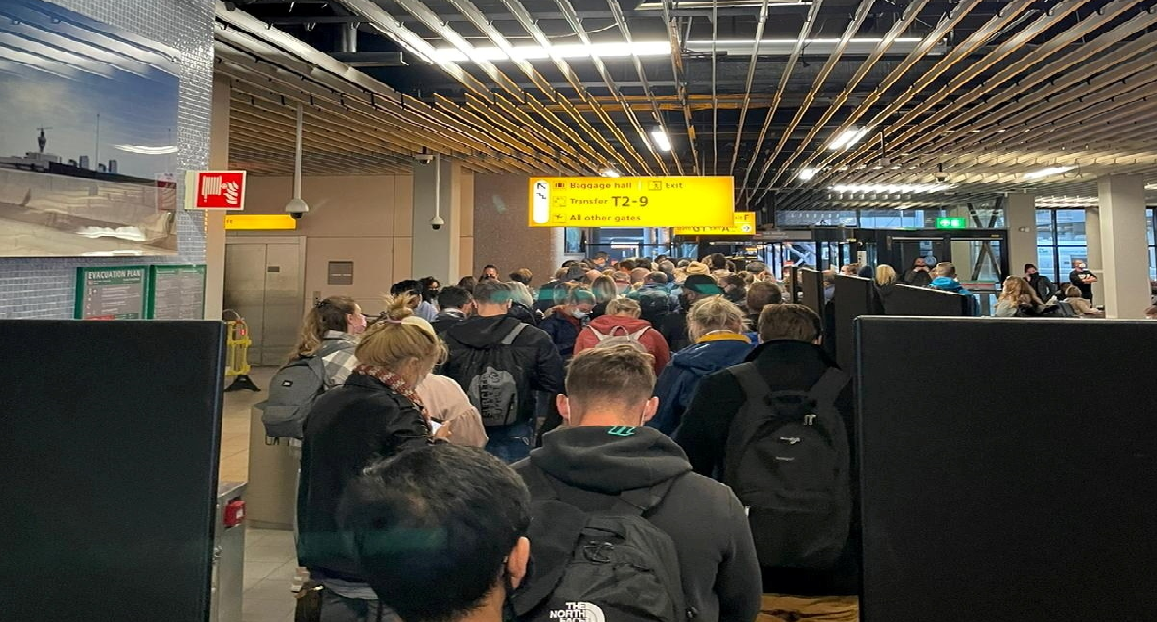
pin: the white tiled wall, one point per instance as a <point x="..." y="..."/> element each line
<point x="44" y="288"/>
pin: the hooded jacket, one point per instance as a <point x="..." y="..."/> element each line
<point x="786" y="365"/>
<point x="446" y="318"/>
<point x="703" y="518"/>
<point x="651" y="339"/>
<point x="946" y="284"/>
<point x="678" y="382"/>
<point x="533" y="353"/>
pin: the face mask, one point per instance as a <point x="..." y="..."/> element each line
<point x="358" y="325"/>
<point x="684" y="301"/>
<point x="579" y="313"/>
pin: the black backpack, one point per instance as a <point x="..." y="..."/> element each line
<point x="494" y="380"/>
<point x="611" y="566"/>
<point x="788" y="461"/>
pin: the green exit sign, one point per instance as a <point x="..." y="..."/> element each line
<point x="952" y="223"/>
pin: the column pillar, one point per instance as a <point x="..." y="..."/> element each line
<point x="1020" y="218"/>
<point x="1095" y="260"/>
<point x="215" y="219"/>
<point x="1124" y="275"/>
<point x="437" y="252"/>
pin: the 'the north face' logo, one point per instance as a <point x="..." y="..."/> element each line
<point x="584" y="612"/>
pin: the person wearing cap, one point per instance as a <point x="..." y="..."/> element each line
<point x="698" y="268"/>
<point x="1039" y="282"/>
<point x="694" y="289"/>
<point x="375" y="414"/>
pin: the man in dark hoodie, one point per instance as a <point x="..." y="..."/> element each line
<point x="789" y="358"/>
<point x="605" y="450"/>
<point x="455" y="303"/>
<point x="532" y="362"/>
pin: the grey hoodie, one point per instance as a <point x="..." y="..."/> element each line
<point x="717" y="558"/>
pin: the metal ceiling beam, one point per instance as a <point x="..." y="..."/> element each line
<point x="680" y="83"/>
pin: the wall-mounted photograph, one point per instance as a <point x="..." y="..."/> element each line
<point x="88" y="137"/>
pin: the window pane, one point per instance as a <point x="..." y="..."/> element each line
<point x="1044" y="262"/>
<point x="1070" y="225"/>
<point x="1069" y="254"/>
<point x="1149" y="223"/>
<point x="1044" y="228"/>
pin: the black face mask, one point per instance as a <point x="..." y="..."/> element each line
<point x="685" y="301"/>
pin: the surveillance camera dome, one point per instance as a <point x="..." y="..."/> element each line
<point x="425" y="158"/>
<point x="296" y="208"/>
<point x="437" y="222"/>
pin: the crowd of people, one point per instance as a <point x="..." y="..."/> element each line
<point x="466" y="439"/>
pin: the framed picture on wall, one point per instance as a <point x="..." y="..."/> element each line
<point x="88" y="137"/>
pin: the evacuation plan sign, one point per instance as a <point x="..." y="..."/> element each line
<point x="111" y="293"/>
<point x="632" y="202"/>
<point x="177" y="292"/>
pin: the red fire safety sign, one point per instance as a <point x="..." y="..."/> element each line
<point x="215" y="190"/>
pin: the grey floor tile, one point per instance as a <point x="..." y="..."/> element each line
<point x="260" y="570"/>
<point x="266" y="552"/>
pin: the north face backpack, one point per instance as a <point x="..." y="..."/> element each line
<point x="293" y="390"/>
<point x="493" y="388"/>
<point x="610" y="566"/>
<point x="788" y="461"/>
<point x="611" y="339"/>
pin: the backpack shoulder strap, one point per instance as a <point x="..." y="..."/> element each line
<point x="513" y="334"/>
<point x="827" y="389"/>
<point x="598" y="335"/>
<point x="754" y="387"/>
<point x="640" y="501"/>
<point x="639" y="333"/>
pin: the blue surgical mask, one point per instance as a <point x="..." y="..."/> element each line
<point x="580" y="314"/>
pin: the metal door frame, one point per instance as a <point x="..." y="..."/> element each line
<point x="295" y="240"/>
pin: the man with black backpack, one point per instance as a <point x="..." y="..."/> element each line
<point x="501" y="362"/>
<point x="772" y="428"/>
<point x="622" y="529"/>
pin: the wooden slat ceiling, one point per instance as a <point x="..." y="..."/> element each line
<point x="975" y="94"/>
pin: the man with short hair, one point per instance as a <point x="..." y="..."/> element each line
<point x="605" y="451"/>
<point x="456" y="304"/>
<point x="919" y="275"/>
<point x="944" y="279"/>
<point x="788" y="359"/>
<point x="439" y="533"/>
<point x="489" y="273"/>
<point x="638" y="275"/>
<point x="759" y="295"/>
<point x="599" y="261"/>
<point x="422" y="308"/>
<point x="500" y="362"/>
<point x="1083" y="279"/>
<point x="655" y="299"/>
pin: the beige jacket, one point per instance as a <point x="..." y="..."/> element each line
<point x="447" y="403"/>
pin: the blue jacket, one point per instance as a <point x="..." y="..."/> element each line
<point x="946" y="284"/>
<point x="677" y="383"/>
<point x="563" y="329"/>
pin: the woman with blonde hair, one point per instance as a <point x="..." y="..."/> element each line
<point x="375" y="414"/>
<point x="885" y="284"/>
<point x="1017" y="298"/>
<point x="715" y="326"/>
<point x="330" y="330"/>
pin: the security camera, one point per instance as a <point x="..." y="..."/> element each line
<point x="424" y="158"/>
<point x="296" y="208"/>
<point x="942" y="177"/>
<point x="436" y="223"/>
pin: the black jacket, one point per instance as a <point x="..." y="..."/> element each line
<point x="347" y="428"/>
<point x="447" y="318"/>
<point x="524" y="314"/>
<point x="918" y="278"/>
<point x="787" y="365"/>
<point x="704" y="518"/>
<point x="1043" y="286"/>
<point x="674" y="330"/>
<point x="533" y="351"/>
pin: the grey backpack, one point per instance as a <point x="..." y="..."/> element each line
<point x="493" y="388"/>
<point x="623" y="338"/>
<point x="293" y="391"/>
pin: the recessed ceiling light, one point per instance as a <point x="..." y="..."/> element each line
<point x="1046" y="172"/>
<point x="609" y="172"/>
<point x="662" y="141"/>
<point x="849" y="137"/>
<point x="807" y="173"/>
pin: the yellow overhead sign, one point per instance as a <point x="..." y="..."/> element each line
<point x="259" y="222"/>
<point x="744" y="225"/>
<point x="632" y="201"/>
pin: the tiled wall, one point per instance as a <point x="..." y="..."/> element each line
<point x="44" y="288"/>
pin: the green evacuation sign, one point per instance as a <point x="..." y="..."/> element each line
<point x="111" y="293"/>
<point x="952" y="223"/>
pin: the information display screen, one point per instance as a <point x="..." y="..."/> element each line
<point x="632" y="202"/>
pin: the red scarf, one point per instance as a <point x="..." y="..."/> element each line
<point x="394" y="381"/>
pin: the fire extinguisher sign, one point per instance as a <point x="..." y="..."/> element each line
<point x="215" y="190"/>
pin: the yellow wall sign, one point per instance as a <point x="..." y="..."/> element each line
<point x="632" y="201"/>
<point x="744" y="225"/>
<point x="259" y="222"/>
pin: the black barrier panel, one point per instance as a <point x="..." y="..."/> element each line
<point x="812" y="290"/>
<point x="908" y="300"/>
<point x="110" y="447"/>
<point x="1002" y="477"/>
<point x="854" y="296"/>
